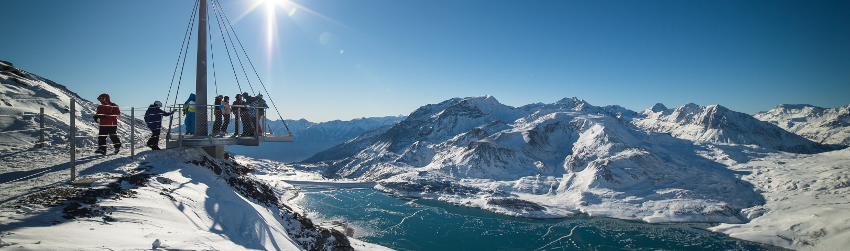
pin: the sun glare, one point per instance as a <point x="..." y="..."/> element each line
<point x="270" y="28"/>
<point x="269" y="25"/>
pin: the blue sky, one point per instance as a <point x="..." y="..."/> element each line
<point x="343" y="59"/>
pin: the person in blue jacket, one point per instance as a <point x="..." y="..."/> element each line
<point x="189" y="111"/>
<point x="153" y="118"/>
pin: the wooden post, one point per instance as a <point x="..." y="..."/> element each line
<point x="41" y="142"/>
<point x="73" y="137"/>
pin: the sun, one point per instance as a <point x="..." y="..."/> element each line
<point x="269" y="27"/>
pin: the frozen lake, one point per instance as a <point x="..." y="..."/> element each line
<point x="405" y="224"/>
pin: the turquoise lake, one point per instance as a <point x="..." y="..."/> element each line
<point x="409" y="224"/>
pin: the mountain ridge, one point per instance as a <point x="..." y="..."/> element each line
<point x="823" y="125"/>
<point x="587" y="157"/>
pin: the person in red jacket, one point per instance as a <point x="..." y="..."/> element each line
<point x="107" y="117"/>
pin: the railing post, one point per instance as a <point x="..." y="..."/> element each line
<point x="41" y="144"/>
<point x="73" y="138"/>
<point x="132" y="133"/>
<point x="180" y="122"/>
<point x="180" y="125"/>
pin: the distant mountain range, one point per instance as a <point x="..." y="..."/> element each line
<point x="567" y="156"/>
<point x="822" y="125"/>
<point x="311" y="137"/>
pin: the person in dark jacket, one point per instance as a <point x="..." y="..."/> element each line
<point x="237" y="113"/>
<point x="248" y="120"/>
<point x="217" y="112"/>
<point x="153" y="118"/>
<point x="107" y="118"/>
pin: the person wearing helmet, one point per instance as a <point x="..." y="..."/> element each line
<point x="153" y="118"/>
<point x="107" y="119"/>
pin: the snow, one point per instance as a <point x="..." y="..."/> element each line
<point x="183" y="206"/>
<point x="806" y="198"/>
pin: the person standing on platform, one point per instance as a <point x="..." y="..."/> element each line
<point x="107" y="118"/>
<point x="217" y="113"/>
<point x="248" y="115"/>
<point x="225" y="114"/>
<point x="237" y="113"/>
<point x="189" y="111"/>
<point x="260" y="103"/>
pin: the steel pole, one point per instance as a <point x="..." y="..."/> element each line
<point x="201" y="74"/>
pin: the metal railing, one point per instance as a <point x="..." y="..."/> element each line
<point x="250" y="121"/>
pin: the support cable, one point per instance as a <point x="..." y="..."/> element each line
<point x="212" y="53"/>
<point x="218" y="18"/>
<point x="227" y="21"/>
<point x="185" y="44"/>
<point x="257" y="74"/>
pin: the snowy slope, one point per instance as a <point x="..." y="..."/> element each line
<point x="311" y="138"/>
<point x="178" y="198"/>
<point x="175" y="199"/>
<point x="824" y="125"/>
<point x="23" y="93"/>
<point x="806" y="201"/>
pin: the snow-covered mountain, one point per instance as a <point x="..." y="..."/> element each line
<point x="824" y="125"/>
<point x="719" y="125"/>
<point x="311" y="138"/>
<point x="553" y="160"/>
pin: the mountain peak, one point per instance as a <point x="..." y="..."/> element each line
<point x="573" y="103"/>
<point x="795" y="106"/>
<point x="718" y="108"/>
<point x="658" y="107"/>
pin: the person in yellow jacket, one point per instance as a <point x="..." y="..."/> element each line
<point x="189" y="111"/>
